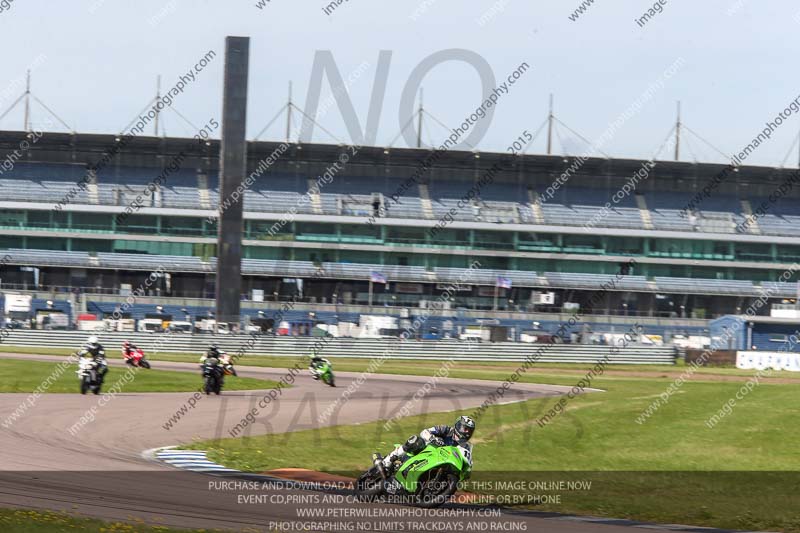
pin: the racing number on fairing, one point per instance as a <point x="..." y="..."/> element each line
<point x="467" y="455"/>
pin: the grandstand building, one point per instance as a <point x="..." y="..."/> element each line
<point x="325" y="225"/>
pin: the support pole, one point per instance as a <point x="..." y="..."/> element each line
<point x="289" y="115"/>
<point x="233" y="166"/>
<point x="550" y="127"/>
<point x="158" y="97"/>
<point x="678" y="134"/>
<point x="419" y="126"/>
<point x="28" y="102"/>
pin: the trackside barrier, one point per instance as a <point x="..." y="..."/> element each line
<point x="345" y="347"/>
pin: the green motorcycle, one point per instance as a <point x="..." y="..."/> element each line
<point x="427" y="479"/>
<point x="324" y="371"/>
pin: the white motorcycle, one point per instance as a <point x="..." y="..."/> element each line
<point x="227" y="365"/>
<point x="89" y="375"/>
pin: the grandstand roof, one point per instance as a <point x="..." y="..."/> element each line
<point x="82" y="149"/>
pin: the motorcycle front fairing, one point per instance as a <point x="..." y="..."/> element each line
<point x="458" y="458"/>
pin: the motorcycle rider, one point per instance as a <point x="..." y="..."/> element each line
<point x="95" y="351"/>
<point x="127" y="349"/>
<point x="213" y="352"/>
<point x="315" y="364"/>
<point x="211" y="362"/>
<point x="457" y="435"/>
<point x="225" y="361"/>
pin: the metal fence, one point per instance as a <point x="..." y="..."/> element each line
<point x="347" y="347"/>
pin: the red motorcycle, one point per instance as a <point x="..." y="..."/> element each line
<point x="135" y="357"/>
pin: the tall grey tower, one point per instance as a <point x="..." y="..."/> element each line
<point x="233" y="166"/>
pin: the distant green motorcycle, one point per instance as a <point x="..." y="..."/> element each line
<point x="427" y="479"/>
<point x="324" y="371"/>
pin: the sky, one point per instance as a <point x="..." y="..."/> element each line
<point x="95" y="64"/>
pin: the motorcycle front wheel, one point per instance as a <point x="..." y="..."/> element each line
<point x="369" y="484"/>
<point x="144" y="364"/>
<point x="84" y="385"/>
<point x="436" y="488"/>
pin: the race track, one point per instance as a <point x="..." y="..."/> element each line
<point x="99" y="470"/>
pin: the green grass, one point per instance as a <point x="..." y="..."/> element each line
<point x="741" y="474"/>
<point x="672" y="468"/>
<point x="596" y="432"/>
<point x="18" y="375"/>
<point x="471" y="370"/>
<point x="28" y="521"/>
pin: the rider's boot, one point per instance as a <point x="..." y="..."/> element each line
<point x="377" y="460"/>
<point x="391" y="462"/>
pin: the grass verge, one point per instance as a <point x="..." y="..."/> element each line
<point x="469" y="370"/>
<point x="28" y="521"/>
<point x="744" y="473"/>
<point x="19" y="375"/>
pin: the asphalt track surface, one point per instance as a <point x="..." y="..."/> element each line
<point x="99" y="470"/>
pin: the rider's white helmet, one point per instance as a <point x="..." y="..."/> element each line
<point x="464" y="428"/>
<point x="91" y="341"/>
